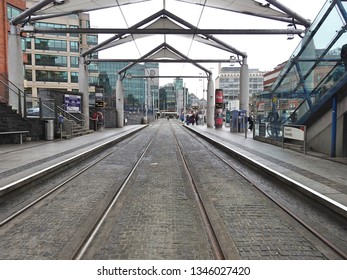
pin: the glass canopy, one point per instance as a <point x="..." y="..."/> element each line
<point x="241" y="6"/>
<point x="309" y="76"/>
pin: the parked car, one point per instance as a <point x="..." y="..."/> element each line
<point x="34" y="111"/>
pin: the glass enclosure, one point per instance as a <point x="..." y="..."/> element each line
<point x="311" y="74"/>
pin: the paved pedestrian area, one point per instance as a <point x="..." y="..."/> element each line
<point x="20" y="161"/>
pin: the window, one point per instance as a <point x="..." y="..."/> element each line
<point x="51" y="76"/>
<point x="46" y="25"/>
<point x="12" y="12"/>
<point x="74" y="62"/>
<point x="27" y="43"/>
<point x="51" y="60"/>
<point x="29" y="59"/>
<point x="54" y="45"/>
<point x="74" y="47"/>
<point x="74" y="77"/>
<point x="28" y="74"/>
<point x="73" y="34"/>
<point x="93" y="80"/>
<point x="92" y="39"/>
<point x="93" y="67"/>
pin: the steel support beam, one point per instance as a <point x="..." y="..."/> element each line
<point x="27" y="13"/>
<point x="165" y="76"/>
<point x="162" y="46"/>
<point x="160" y="60"/>
<point x="167" y="31"/>
<point x="290" y="12"/>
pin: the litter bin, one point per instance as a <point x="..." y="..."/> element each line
<point x="49" y="130"/>
<point x="262" y="129"/>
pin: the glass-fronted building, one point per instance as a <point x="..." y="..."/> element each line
<point x="135" y="89"/>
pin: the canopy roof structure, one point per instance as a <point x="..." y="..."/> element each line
<point x="164" y="23"/>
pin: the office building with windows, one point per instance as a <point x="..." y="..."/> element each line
<point x="229" y="81"/>
<point x="53" y="59"/>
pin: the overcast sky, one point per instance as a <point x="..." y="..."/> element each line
<point x="264" y="51"/>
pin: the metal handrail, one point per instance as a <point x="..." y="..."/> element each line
<point x="5" y="81"/>
<point x="74" y="118"/>
<point x="321" y="99"/>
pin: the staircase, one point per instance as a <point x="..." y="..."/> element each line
<point x="72" y="129"/>
<point x="79" y="130"/>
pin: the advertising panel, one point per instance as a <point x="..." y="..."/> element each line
<point x="72" y="103"/>
<point x="219" y="108"/>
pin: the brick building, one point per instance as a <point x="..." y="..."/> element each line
<point x="8" y="10"/>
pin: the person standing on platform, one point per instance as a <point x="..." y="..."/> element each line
<point x="343" y="55"/>
<point x="250" y="122"/>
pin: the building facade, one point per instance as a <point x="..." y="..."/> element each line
<point x="271" y="76"/>
<point x="229" y="81"/>
<point x="53" y="59"/>
<point x="8" y="10"/>
<point x="168" y="98"/>
<point x="135" y="89"/>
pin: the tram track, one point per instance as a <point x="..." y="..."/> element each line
<point x="51" y="191"/>
<point x="278" y="202"/>
<point x="212" y="236"/>
<point x="94" y="231"/>
<point x="46" y="197"/>
<point x="205" y="220"/>
<point x="120" y="225"/>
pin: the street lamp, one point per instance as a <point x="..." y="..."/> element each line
<point x="145" y="100"/>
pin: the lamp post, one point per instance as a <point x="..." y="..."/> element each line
<point x="146" y="108"/>
<point x="152" y="94"/>
<point x="203" y="98"/>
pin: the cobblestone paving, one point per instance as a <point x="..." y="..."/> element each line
<point x="258" y="229"/>
<point x="156" y="217"/>
<point x="314" y="176"/>
<point x="54" y="228"/>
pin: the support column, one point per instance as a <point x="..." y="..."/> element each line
<point x="244" y="86"/>
<point x="15" y="68"/>
<point x="210" y="102"/>
<point x="120" y="102"/>
<point x="84" y="88"/>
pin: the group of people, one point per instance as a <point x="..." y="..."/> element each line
<point x="190" y="119"/>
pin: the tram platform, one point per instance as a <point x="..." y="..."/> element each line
<point x="21" y="163"/>
<point x="317" y="174"/>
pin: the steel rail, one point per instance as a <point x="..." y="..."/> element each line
<point x="26" y="207"/>
<point x="321" y="237"/>
<point x="80" y="252"/>
<point x="211" y="234"/>
<point x="40" y="198"/>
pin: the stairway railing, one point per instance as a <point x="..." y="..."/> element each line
<point x="336" y="78"/>
<point x="20" y="105"/>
